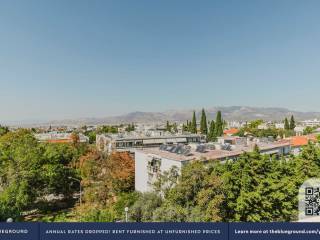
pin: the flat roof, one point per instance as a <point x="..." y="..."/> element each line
<point x="213" y="154"/>
<point x="119" y="138"/>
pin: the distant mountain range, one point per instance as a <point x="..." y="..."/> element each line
<point x="233" y="113"/>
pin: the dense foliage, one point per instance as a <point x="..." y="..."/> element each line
<point x="252" y="129"/>
<point x="107" y="129"/>
<point x="3" y="130"/>
<point x="173" y="128"/>
<point x="30" y="171"/>
<point x="253" y="188"/>
<point x="108" y="185"/>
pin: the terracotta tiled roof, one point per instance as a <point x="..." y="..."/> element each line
<point x="298" y="141"/>
<point x="231" y="131"/>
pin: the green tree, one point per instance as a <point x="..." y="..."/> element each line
<point x="308" y="130"/>
<point x="166" y="181"/>
<point x="168" y="127"/>
<point x="246" y="184"/>
<point x="189" y="126"/>
<point x="174" y="128"/>
<point x="193" y="128"/>
<point x="142" y="210"/>
<point x="130" y="127"/>
<point x="203" y="123"/>
<point x="286" y="124"/>
<point x="197" y="196"/>
<point x="260" y="188"/>
<point x="255" y="123"/>
<point x="310" y="160"/>
<point x="30" y="170"/>
<point x="107" y="129"/>
<point x="3" y="130"/>
<point x="212" y="132"/>
<point x="124" y="199"/>
<point x="105" y="177"/>
<point x="209" y="199"/>
<point x="169" y="212"/>
<point x="219" y="125"/>
<point x="93" y="214"/>
<point x="184" y="127"/>
<point x="92" y="136"/>
<point x="292" y="123"/>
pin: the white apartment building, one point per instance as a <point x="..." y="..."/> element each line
<point x="279" y="125"/>
<point x="151" y="162"/>
<point x="311" y="123"/>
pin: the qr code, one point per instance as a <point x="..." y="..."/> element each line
<point x="312" y="201"/>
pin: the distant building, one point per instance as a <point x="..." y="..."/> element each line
<point x="263" y="126"/>
<point x="279" y="125"/>
<point x="311" y="123"/>
<point x="55" y="137"/>
<point x="299" y="130"/>
<point x="236" y="124"/>
<point x="129" y="142"/>
<point x="151" y="162"/>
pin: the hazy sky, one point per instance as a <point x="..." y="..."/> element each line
<point x="70" y="59"/>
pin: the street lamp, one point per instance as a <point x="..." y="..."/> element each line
<point x="80" y="187"/>
<point x="126" y="209"/>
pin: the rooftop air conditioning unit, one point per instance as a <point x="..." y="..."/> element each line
<point x="201" y="148"/>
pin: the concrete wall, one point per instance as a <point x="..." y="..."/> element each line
<point x="141" y="170"/>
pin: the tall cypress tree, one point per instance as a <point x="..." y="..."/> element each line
<point x="219" y="125"/>
<point x="211" y="134"/>
<point x="168" y="127"/>
<point x="292" y="123"/>
<point x="286" y="124"/>
<point x="203" y="123"/>
<point x="189" y="126"/>
<point x="194" y="123"/>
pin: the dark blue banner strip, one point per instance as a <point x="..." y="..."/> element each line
<point x="134" y="231"/>
<point x="270" y="231"/>
<point x="21" y="231"/>
<point x="157" y="231"/>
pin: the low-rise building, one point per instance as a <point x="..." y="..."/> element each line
<point x="264" y="126"/>
<point x="57" y="137"/>
<point x="279" y="125"/>
<point x="311" y="123"/>
<point x="236" y="124"/>
<point x="131" y="141"/>
<point x="299" y="130"/>
<point x="151" y="162"/>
